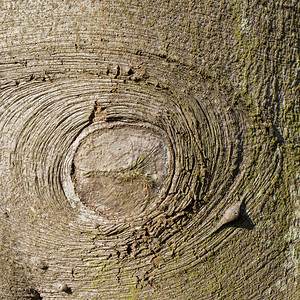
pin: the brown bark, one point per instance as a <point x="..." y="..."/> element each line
<point x="128" y="129"/>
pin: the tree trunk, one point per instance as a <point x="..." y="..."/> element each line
<point x="149" y="149"/>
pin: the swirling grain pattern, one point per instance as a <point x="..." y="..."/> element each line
<point x="120" y="153"/>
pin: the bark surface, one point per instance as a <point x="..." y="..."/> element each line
<point x="130" y="131"/>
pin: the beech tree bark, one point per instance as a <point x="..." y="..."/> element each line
<point x="129" y="129"/>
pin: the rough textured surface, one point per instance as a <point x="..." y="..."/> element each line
<point x="218" y="83"/>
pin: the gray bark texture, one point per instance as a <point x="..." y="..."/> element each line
<point x="149" y="149"/>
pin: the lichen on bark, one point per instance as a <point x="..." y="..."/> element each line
<point x="213" y="85"/>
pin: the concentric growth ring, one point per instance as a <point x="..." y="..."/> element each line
<point x="155" y="143"/>
<point x="120" y="152"/>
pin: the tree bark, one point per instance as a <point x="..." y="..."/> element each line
<point x="149" y="149"/>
